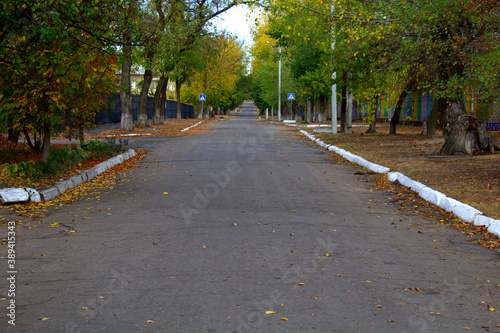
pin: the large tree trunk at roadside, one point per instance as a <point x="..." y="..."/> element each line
<point x="142" y="115"/>
<point x="178" y="85"/>
<point x="127" y="119"/>
<point x="309" y="111"/>
<point x="157" y="103"/>
<point x="321" y="109"/>
<point x="463" y="133"/>
<point x="200" y="113"/>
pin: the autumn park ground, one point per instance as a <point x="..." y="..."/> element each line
<point x="474" y="180"/>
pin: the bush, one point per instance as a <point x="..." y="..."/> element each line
<point x="105" y="148"/>
<point x="59" y="161"/>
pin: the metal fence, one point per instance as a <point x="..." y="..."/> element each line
<point x="113" y="113"/>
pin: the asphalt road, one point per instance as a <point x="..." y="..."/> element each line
<point x="211" y="231"/>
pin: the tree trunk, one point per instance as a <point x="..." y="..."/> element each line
<point x="163" y="105"/>
<point x="397" y="113"/>
<point x="142" y="115"/>
<point x="35" y="145"/>
<point x="296" y="111"/>
<point x="127" y="120"/>
<point x="348" y="120"/>
<point x="373" y="124"/>
<point x="463" y="133"/>
<point x="309" y="111"/>
<point x="438" y="104"/>
<point x="322" y="110"/>
<point x="46" y="141"/>
<point x="81" y="134"/>
<point x="178" y="85"/>
<point x="343" y="104"/>
<point x="157" y="107"/>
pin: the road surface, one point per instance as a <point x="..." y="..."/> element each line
<point x="248" y="227"/>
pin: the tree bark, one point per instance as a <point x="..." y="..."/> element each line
<point x="309" y="111"/>
<point x="200" y="114"/>
<point x="127" y="120"/>
<point x="157" y="103"/>
<point x="348" y="120"/>
<point x="321" y="109"/>
<point x="397" y="113"/>
<point x="438" y="104"/>
<point x="296" y="111"/>
<point x="81" y="134"/>
<point x="373" y="124"/>
<point x="46" y="141"/>
<point x="343" y="104"/>
<point x="142" y="115"/>
<point x="178" y="85"/>
<point x="463" y="133"/>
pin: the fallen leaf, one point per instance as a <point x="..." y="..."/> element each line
<point x="284" y="319"/>
<point x="379" y="306"/>
<point x="165" y="193"/>
<point x="150" y="321"/>
<point x="302" y="284"/>
<point x="326" y="255"/>
<point x="270" y="312"/>
<point x="43" y="318"/>
<point x="84" y="308"/>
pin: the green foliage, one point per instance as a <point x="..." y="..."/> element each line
<point x="99" y="149"/>
<point x="60" y="160"/>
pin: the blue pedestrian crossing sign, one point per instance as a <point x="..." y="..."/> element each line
<point x="203" y="98"/>
<point x="291" y="96"/>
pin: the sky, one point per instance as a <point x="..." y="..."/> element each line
<point x="236" y="20"/>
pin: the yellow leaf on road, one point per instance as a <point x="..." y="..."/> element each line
<point x="270" y="312"/>
<point x="284" y="319"/>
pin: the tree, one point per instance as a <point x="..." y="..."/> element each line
<point x="223" y="63"/>
<point x="441" y="41"/>
<point x="52" y="72"/>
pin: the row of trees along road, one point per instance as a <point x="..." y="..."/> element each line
<point x="390" y="47"/>
<point x="59" y="59"/>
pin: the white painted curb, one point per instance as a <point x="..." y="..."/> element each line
<point x="463" y="211"/>
<point x="19" y="195"/>
<point x="188" y="128"/>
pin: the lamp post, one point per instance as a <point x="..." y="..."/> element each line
<point x="334" y="77"/>
<point x="279" y="81"/>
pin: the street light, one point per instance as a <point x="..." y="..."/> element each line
<point x="334" y="77"/>
<point x="279" y="81"/>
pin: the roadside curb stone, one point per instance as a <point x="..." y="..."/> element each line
<point x="21" y="195"/>
<point x="461" y="210"/>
